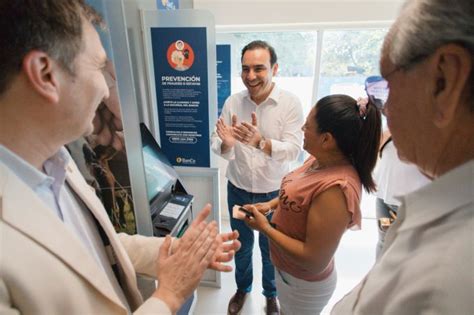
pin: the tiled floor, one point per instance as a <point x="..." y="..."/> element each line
<point x="354" y="257"/>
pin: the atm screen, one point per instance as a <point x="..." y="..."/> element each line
<point x="159" y="173"/>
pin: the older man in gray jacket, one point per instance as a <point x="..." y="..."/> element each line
<point x="426" y="262"/>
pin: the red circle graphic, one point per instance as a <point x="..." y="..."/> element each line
<point x="180" y="55"/>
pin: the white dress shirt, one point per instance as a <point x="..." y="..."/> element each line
<point x="395" y="178"/>
<point x="279" y="119"/>
<point x="427" y="260"/>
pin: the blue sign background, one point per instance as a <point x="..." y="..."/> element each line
<point x="182" y="96"/>
<point x="223" y="76"/>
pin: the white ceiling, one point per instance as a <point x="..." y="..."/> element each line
<point x="255" y="12"/>
<point x="292" y="2"/>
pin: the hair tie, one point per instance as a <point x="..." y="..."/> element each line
<point x="362" y="103"/>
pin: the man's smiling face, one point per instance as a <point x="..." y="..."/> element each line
<point x="257" y="73"/>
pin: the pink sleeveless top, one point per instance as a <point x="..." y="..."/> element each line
<point x="298" y="189"/>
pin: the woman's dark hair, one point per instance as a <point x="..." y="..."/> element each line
<point x="357" y="137"/>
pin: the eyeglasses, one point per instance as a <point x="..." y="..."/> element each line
<point x="377" y="90"/>
<point x="376" y="87"/>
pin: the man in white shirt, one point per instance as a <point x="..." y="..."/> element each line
<point x="394" y="178"/>
<point x="59" y="253"/>
<point x="427" y="259"/>
<point x="259" y="133"/>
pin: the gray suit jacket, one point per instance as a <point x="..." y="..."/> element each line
<point x="45" y="269"/>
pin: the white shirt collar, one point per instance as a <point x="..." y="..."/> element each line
<point x="54" y="167"/>
<point x="439" y="198"/>
<point x="31" y="176"/>
<point x="273" y="97"/>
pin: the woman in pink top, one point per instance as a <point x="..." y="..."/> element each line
<point x="319" y="201"/>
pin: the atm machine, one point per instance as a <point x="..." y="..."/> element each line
<point x="170" y="204"/>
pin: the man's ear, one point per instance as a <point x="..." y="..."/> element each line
<point x="42" y="74"/>
<point x="275" y="69"/>
<point x="452" y="68"/>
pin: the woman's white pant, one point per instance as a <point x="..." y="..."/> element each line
<point x="300" y="297"/>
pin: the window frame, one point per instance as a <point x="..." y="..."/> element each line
<point x="319" y="28"/>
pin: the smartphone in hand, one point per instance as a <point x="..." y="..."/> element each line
<point x="239" y="212"/>
<point x="247" y="213"/>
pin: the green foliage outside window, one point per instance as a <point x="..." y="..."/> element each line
<point x="348" y="52"/>
<point x="295" y="51"/>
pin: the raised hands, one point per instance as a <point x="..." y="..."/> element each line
<point x="180" y="267"/>
<point x="248" y="133"/>
<point x="226" y="132"/>
<point x="179" y="273"/>
<point x="227" y="246"/>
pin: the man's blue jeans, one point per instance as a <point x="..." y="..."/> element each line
<point x="243" y="257"/>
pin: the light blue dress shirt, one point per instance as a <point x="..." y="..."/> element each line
<point x="51" y="187"/>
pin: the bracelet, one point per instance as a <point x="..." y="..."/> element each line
<point x="262" y="143"/>
<point x="270" y="211"/>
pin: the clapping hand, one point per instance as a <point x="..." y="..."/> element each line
<point x="226" y="132"/>
<point x="225" y="251"/>
<point x="179" y="272"/>
<point x="248" y="133"/>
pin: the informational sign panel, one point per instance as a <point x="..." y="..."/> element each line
<point x="164" y="32"/>
<point x="223" y="76"/>
<point x="181" y="82"/>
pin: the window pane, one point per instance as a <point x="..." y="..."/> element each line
<point x="296" y="52"/>
<point x="348" y="57"/>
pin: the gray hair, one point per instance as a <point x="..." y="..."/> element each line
<point x="425" y="25"/>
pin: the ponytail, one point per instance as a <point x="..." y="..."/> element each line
<point x="365" y="152"/>
<point x="357" y="132"/>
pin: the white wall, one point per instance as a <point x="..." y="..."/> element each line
<point x="255" y="12"/>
